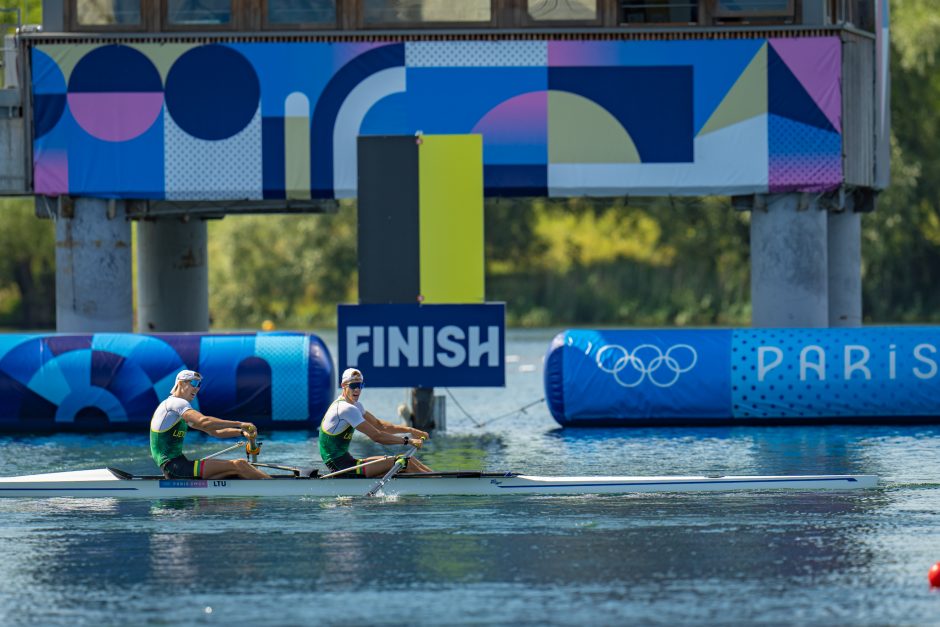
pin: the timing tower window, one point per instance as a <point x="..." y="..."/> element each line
<point x="301" y="12"/>
<point x="401" y="12"/>
<point x="658" y="12"/>
<point x="108" y="12"/>
<point x="203" y="13"/>
<point x="753" y="8"/>
<point x="562" y="10"/>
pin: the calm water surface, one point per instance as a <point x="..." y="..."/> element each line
<point x="771" y="558"/>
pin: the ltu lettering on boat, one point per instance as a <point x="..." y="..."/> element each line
<point x="426" y="346"/>
<point x="855" y="362"/>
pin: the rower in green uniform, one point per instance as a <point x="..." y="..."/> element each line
<point x="172" y="420"/>
<point x="347" y="415"/>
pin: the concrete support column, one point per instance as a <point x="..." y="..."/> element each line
<point x="789" y="262"/>
<point x="93" y="267"/>
<point x="172" y="275"/>
<point x="845" y="269"/>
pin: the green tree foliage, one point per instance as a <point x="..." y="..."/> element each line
<point x="30" y="12"/>
<point x="606" y="261"/>
<point x="901" y="239"/>
<point x="290" y="269"/>
<point x="27" y="266"/>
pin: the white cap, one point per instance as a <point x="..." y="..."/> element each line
<point x="349" y="375"/>
<point x="188" y="375"/>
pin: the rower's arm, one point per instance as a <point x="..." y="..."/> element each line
<point x="216" y="426"/>
<point x="383" y="437"/>
<point x="389" y="427"/>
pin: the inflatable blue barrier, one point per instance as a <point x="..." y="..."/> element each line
<point x="114" y="381"/>
<point x="743" y="376"/>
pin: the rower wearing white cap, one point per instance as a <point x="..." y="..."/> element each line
<point x="168" y="427"/>
<point x="347" y="414"/>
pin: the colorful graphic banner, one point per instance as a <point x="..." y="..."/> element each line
<point x="275" y="120"/>
<point x="114" y="381"/>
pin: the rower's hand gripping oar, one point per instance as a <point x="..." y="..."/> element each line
<point x="252" y="447"/>
<point x="397" y="467"/>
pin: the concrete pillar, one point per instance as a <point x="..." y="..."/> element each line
<point x="789" y="262"/>
<point x="93" y="267"/>
<point x="12" y="144"/>
<point x="172" y="275"/>
<point x="845" y="269"/>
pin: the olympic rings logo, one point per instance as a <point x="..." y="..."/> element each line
<point x="646" y="360"/>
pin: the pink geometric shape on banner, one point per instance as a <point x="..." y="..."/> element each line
<point x="813" y="173"/>
<point x="521" y="119"/>
<point x="115" y="116"/>
<point x="51" y="173"/>
<point x="582" y="53"/>
<point x="816" y="63"/>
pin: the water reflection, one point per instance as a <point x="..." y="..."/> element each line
<point x="627" y="550"/>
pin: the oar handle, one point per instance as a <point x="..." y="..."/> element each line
<point x="252" y="449"/>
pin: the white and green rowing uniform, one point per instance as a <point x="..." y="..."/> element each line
<point x="167" y="432"/>
<point x="336" y="432"/>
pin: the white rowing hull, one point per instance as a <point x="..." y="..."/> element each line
<point x="105" y="483"/>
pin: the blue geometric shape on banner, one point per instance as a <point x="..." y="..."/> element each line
<point x="48" y="93"/>
<point x="788" y="98"/>
<point x="47" y="111"/>
<point x="115" y="69"/>
<point x="254" y="401"/>
<point x="272" y="162"/>
<point x="212" y="92"/>
<point x="59" y="344"/>
<point x="104" y="367"/>
<point x="22" y="401"/>
<point x="654" y="104"/>
<point x="285" y="68"/>
<point x="447" y="100"/>
<point x="23" y="358"/>
<point x="334" y="95"/>
<point x="188" y="347"/>
<point x="388" y="116"/>
<point x="98" y="167"/>
<point x="791" y="138"/>
<point x="515" y="180"/>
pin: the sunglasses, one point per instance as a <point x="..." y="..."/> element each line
<point x="195" y="382"/>
<point x="355" y="386"/>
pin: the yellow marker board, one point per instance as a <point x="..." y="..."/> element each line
<point x="451" y="218"/>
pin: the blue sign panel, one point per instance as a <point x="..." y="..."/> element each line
<point x="803" y="373"/>
<point x="424" y="345"/>
<point x="642" y="374"/>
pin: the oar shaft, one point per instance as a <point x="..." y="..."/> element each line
<point x="225" y="450"/>
<point x="396" y="467"/>
<point x="356" y="467"/>
<point x="299" y="472"/>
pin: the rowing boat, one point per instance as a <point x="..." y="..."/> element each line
<point x="111" y="482"/>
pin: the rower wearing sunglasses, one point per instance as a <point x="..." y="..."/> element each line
<point x="346" y="415"/>
<point x="168" y="428"/>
